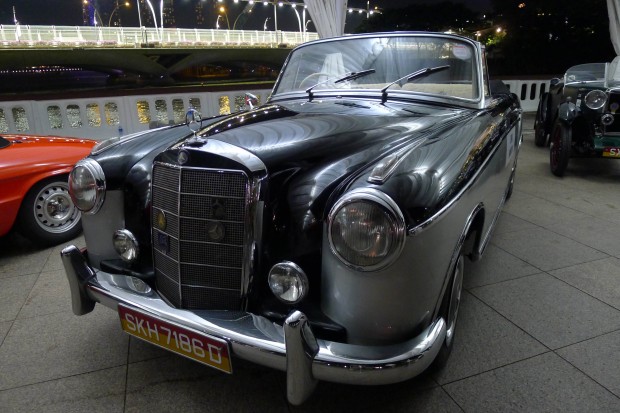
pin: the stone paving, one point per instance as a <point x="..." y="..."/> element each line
<point x="539" y="328"/>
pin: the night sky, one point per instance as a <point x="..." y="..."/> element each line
<point x="69" y="12"/>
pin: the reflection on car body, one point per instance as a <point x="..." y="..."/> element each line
<point x="578" y="116"/>
<point x="322" y="233"/>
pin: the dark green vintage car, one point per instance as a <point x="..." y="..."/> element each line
<point x="580" y="116"/>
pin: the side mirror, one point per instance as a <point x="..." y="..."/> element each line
<point x="251" y="100"/>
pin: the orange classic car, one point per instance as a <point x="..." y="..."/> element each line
<point x="34" y="196"/>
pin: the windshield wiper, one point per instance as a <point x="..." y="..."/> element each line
<point x="343" y="78"/>
<point x="413" y="76"/>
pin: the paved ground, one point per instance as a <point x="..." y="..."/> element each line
<point x="539" y="328"/>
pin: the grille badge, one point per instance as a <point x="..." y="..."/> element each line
<point x="216" y="231"/>
<point x="160" y="220"/>
<point x="182" y="157"/>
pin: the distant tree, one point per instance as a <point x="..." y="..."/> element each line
<point x="548" y="36"/>
<point x="437" y="17"/>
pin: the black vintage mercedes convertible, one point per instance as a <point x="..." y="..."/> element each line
<point x="322" y="233"/>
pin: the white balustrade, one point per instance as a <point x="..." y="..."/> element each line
<point x="19" y="36"/>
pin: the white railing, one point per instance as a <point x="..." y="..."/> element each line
<point x="20" y="36"/>
<point x="105" y="117"/>
<point x="529" y="92"/>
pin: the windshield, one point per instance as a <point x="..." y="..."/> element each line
<point x="613" y="73"/>
<point x="590" y="72"/>
<point x="319" y="65"/>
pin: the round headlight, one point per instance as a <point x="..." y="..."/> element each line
<point x="288" y="282"/>
<point x="366" y="230"/>
<point x="126" y="245"/>
<point x="87" y="186"/>
<point x="596" y="99"/>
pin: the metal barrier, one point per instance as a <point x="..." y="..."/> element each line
<point x="529" y="92"/>
<point x="20" y="36"/>
<point x="105" y="117"/>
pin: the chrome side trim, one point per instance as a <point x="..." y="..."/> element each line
<point x="257" y="339"/>
<point x="439" y="214"/>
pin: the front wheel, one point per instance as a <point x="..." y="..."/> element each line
<point x="451" y="305"/>
<point x="560" y="150"/>
<point x="541" y="123"/>
<point x="47" y="215"/>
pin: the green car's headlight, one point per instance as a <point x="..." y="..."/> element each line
<point x="366" y="230"/>
<point x="87" y="186"/>
<point x="596" y="99"/>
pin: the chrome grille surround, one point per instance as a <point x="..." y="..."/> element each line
<point x="193" y="271"/>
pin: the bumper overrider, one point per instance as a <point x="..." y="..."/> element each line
<point x="292" y="348"/>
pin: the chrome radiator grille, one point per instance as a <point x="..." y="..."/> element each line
<point x="199" y="236"/>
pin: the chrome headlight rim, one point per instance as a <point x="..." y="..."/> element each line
<point x="98" y="175"/>
<point x="595" y="99"/>
<point x="130" y="254"/>
<point x="299" y="275"/>
<point x="393" y="212"/>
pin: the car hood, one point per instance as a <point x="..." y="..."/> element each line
<point x="52" y="142"/>
<point x="32" y="154"/>
<point x="321" y="132"/>
<point x="291" y="135"/>
<point x="314" y="151"/>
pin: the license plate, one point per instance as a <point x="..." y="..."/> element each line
<point x="212" y="351"/>
<point x="611" y="152"/>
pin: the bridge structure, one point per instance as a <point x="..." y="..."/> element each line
<point x="104" y="113"/>
<point x="144" y="51"/>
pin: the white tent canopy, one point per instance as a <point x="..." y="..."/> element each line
<point x="328" y="16"/>
<point x="613" y="8"/>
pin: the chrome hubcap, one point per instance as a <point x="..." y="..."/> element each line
<point x="53" y="209"/>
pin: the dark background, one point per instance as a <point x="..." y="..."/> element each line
<point x="538" y="37"/>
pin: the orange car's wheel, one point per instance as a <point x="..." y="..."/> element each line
<point x="47" y="215"/>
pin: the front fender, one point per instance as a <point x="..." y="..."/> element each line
<point x="568" y="112"/>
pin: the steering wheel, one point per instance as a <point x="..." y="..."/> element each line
<point x="305" y="83"/>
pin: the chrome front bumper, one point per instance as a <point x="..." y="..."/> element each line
<point x="291" y="348"/>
